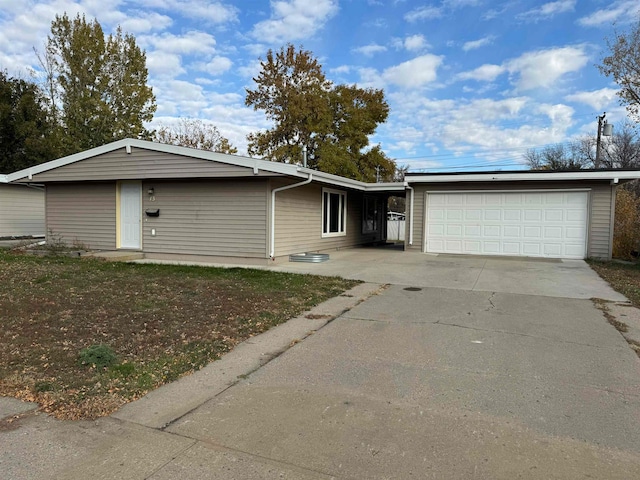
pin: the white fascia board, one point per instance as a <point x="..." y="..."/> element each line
<point x="386" y="187"/>
<point x="4" y="179"/>
<point x="505" y="177"/>
<point x="334" y="180"/>
<point x="61" y="162"/>
<point x="343" y="182"/>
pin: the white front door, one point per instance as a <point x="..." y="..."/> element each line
<point x="130" y="214"/>
<point x="534" y="224"/>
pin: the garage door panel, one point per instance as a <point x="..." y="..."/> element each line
<point x="512" y="231"/>
<point x="574" y="233"/>
<point x="553" y="215"/>
<point x="576" y="215"/>
<point x="436" y="214"/>
<point x="472" y="231"/>
<point x="454" y="230"/>
<point x="532" y="232"/>
<point x="551" y="224"/>
<point x="491" y="230"/>
<point x="491" y="247"/>
<point x="454" y="214"/>
<point x="492" y="214"/>
<point x="454" y="246"/>
<point x="436" y="230"/>
<point x="473" y="214"/>
<point x="473" y="246"/>
<point x="532" y="199"/>
<point x="512" y="215"/>
<point x="553" y="233"/>
<point x="533" y="215"/>
<point x="511" y="248"/>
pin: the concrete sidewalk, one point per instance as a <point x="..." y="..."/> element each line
<point x="422" y="382"/>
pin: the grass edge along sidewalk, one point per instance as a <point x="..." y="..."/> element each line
<point x="82" y="337"/>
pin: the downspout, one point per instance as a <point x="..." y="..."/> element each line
<point x="410" y="214"/>
<point x="272" y="226"/>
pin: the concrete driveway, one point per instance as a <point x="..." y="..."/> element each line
<point x="480" y="368"/>
<point x="528" y="276"/>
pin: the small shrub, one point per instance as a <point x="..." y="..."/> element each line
<point x="55" y="244"/>
<point x="99" y="356"/>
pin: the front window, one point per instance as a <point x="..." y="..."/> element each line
<point x="334" y="213"/>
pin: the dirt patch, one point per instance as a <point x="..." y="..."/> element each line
<point x="160" y="321"/>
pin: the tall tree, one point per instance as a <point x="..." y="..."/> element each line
<point x="194" y="133"/>
<point x="334" y="122"/>
<point x="558" y="157"/>
<point x="100" y="83"/>
<point x="623" y="64"/>
<point x="25" y="138"/>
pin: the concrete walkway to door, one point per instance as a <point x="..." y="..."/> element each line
<point x="529" y="276"/>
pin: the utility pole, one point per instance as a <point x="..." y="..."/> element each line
<point x="605" y="129"/>
<point x="377" y="173"/>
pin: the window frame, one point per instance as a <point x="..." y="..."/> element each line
<point x="326" y="213"/>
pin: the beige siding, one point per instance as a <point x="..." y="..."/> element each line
<point x="221" y="218"/>
<point x="299" y="221"/>
<point x="21" y="211"/>
<point x="599" y="243"/>
<point x="83" y="213"/>
<point x="142" y="164"/>
<point x="600" y="222"/>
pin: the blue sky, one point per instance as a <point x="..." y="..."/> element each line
<point x="472" y="84"/>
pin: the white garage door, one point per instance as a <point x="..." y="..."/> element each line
<point x="534" y="224"/>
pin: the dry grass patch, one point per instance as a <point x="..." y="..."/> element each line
<point x="160" y="322"/>
<point x="623" y="278"/>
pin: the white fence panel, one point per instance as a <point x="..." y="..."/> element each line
<point x="395" y="230"/>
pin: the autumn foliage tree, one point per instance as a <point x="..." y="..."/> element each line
<point x="334" y="122"/>
<point x="98" y="84"/>
<point x="194" y="133"/>
<point x="623" y="65"/>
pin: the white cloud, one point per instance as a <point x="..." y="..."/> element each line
<point x="294" y="20"/>
<point x="415" y="42"/>
<point x="145" y="23"/>
<point x="548" y="10"/>
<point x="597" y="99"/>
<point x="622" y="10"/>
<point x="163" y="64"/>
<point x="217" y="65"/>
<point x="370" y="50"/>
<point x="481" y="42"/>
<point x="543" y="68"/>
<point x="190" y="43"/>
<point x="210" y="11"/>
<point x="484" y="73"/>
<point x="414" y="73"/>
<point x="481" y="129"/>
<point x="341" y="69"/>
<point x="559" y="114"/>
<point x="370" y="78"/>
<point x="423" y="13"/>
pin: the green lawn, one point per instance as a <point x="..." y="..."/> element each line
<point x="160" y="321"/>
